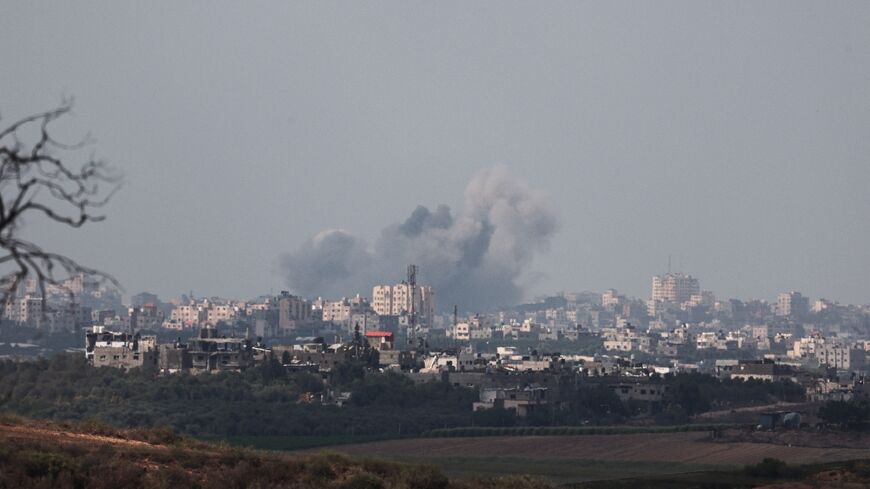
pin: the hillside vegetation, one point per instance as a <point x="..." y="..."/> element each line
<point x="36" y="454"/>
<point x="268" y="400"/>
<point x="44" y="455"/>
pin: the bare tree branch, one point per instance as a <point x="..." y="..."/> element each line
<point x="36" y="181"/>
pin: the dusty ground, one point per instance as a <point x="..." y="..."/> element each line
<point x="688" y="448"/>
<point x="57" y="436"/>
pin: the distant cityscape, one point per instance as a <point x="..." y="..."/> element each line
<point x="679" y="328"/>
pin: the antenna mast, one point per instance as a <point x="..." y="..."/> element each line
<point x="412" y="312"/>
<point x="455" y="321"/>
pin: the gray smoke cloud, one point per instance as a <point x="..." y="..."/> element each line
<point x="475" y="258"/>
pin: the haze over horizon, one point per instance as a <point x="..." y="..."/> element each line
<point x="732" y="137"/>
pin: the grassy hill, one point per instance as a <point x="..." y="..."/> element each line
<point x="36" y="454"/>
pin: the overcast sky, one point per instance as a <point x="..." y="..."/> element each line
<point x="733" y="136"/>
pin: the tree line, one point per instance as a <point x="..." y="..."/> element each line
<point x="270" y="400"/>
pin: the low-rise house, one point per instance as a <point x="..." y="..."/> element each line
<point x="523" y="400"/>
<point x="641" y="392"/>
<point x="388" y="356"/>
<point x="105" y="348"/>
<point x="461" y="360"/>
<point x="210" y="353"/>
<point x="764" y="370"/>
<point x="173" y="358"/>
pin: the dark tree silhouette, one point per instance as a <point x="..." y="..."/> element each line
<point x="36" y="183"/>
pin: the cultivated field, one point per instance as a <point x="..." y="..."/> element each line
<point x="643" y="447"/>
<point x="589" y="457"/>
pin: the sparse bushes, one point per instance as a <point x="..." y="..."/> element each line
<point x="362" y="481"/>
<point x="772" y="468"/>
<point x="37" y="461"/>
<point x="513" y="482"/>
<point x="423" y="477"/>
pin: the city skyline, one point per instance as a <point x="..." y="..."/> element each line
<point x="698" y="132"/>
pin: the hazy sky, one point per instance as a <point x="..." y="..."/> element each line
<point x="734" y="136"/>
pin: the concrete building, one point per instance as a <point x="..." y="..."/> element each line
<point x="766" y="370"/>
<point x="522" y="400"/>
<point x="676" y="288"/>
<point x="611" y="299"/>
<point x="173" y="358"/>
<point x="210" y="353"/>
<point x="293" y="311"/>
<point x="344" y="311"/>
<point x="640" y="392"/>
<point x="395" y="300"/>
<point x="120" y="350"/>
<point x="792" y="304"/>
<point x="189" y="315"/>
<point x="125" y="357"/>
<point x="26" y="311"/>
<point x="841" y="357"/>
<point x="146" y="316"/>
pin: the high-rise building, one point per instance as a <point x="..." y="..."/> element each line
<point x="25" y="310"/>
<point x="674" y="287"/>
<point x="792" y="304"/>
<point x="395" y="300"/>
<point x="611" y="298"/>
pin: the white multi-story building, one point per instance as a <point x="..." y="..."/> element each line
<point x="188" y="315"/>
<point x="25" y="310"/>
<point x="395" y="300"/>
<point x="220" y="312"/>
<point x="292" y="311"/>
<point x="674" y="287"/>
<point x="611" y="299"/>
<point x="626" y="338"/>
<point x="806" y="347"/>
<point x="344" y="311"/>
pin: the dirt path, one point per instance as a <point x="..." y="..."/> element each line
<point x="34" y="433"/>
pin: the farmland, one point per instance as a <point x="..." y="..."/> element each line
<point x="589" y="457"/>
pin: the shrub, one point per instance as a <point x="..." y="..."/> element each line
<point x="772" y="468"/>
<point x="424" y="477"/>
<point x="362" y="481"/>
<point x="319" y="470"/>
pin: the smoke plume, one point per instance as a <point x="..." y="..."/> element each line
<point x="475" y="258"/>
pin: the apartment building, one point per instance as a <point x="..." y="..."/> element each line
<point x="674" y="287"/>
<point x="395" y="300"/>
<point x="792" y="304"/>
<point x="292" y="312"/>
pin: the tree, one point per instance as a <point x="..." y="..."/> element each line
<point x="35" y="181"/>
<point x="847" y="414"/>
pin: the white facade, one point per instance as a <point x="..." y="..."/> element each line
<point x="395" y="300"/>
<point x="674" y="287"/>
